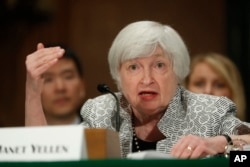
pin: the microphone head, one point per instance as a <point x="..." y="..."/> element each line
<point x="103" y="88"/>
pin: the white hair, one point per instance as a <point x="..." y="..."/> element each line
<point x="140" y="39"/>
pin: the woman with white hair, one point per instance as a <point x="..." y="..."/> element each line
<point x="148" y="61"/>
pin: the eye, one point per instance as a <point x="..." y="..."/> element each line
<point x="68" y="75"/>
<point x="48" y="79"/>
<point x="160" y="65"/>
<point x="219" y="85"/>
<point x="199" y="83"/>
<point x="133" y="67"/>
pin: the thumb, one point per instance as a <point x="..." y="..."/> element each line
<point x="40" y="46"/>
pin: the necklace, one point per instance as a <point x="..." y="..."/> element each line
<point x="139" y="145"/>
<point x="136" y="147"/>
<point x="135" y="142"/>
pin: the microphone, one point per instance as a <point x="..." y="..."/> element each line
<point x="103" y="88"/>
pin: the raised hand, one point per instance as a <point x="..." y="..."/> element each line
<point x="36" y="64"/>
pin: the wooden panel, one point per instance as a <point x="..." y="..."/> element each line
<point x="102" y="144"/>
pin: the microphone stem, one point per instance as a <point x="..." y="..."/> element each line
<point x="117" y="116"/>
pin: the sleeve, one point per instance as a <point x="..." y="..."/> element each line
<point x="227" y="111"/>
<point x="99" y="112"/>
<point x="87" y="113"/>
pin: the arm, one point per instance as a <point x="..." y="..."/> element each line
<point x="192" y="146"/>
<point x="36" y="64"/>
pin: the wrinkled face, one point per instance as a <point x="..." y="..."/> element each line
<point x="148" y="83"/>
<point x="63" y="91"/>
<point x="204" y="79"/>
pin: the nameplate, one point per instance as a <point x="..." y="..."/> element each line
<point x="43" y="143"/>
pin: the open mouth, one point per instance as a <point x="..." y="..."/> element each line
<point x="147" y="93"/>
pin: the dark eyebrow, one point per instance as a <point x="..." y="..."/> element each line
<point x="68" y="71"/>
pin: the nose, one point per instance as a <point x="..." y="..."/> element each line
<point x="208" y="89"/>
<point x="147" y="77"/>
<point x="59" y="84"/>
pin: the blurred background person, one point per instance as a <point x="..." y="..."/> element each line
<point x="63" y="90"/>
<point x="215" y="74"/>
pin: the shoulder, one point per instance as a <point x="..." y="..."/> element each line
<point x="105" y="99"/>
<point x="99" y="111"/>
<point x="102" y="101"/>
<point x="210" y="103"/>
<point x="188" y="95"/>
<point x="218" y="111"/>
<point x="102" y="104"/>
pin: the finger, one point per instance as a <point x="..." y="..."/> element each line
<point x="40" y="46"/>
<point x="180" y="146"/>
<point x="36" y="72"/>
<point x="51" y="52"/>
<point x="186" y="151"/>
<point x="202" y="151"/>
<point x="44" y="56"/>
<point x="185" y="146"/>
<point x="33" y="67"/>
<point x="55" y="52"/>
<point x="38" y="62"/>
<point x="41" y="69"/>
<point x="175" y="149"/>
<point x="48" y="54"/>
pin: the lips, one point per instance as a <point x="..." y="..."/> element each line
<point x="61" y="101"/>
<point x="147" y="95"/>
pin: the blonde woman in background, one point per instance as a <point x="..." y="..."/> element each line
<point x="215" y="74"/>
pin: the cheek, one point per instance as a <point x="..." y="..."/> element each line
<point x="46" y="98"/>
<point x="168" y="84"/>
<point x="194" y="88"/>
<point x="77" y="89"/>
<point x="124" y="81"/>
<point x="222" y="92"/>
<point x="128" y="86"/>
<point x="47" y="92"/>
<point x="227" y="93"/>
